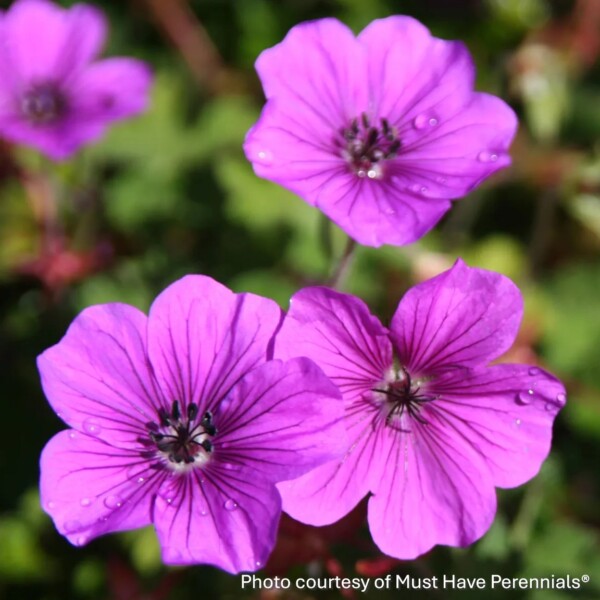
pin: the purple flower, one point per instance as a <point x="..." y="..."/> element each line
<point x="180" y="421"/>
<point x="380" y="132"/>
<point x="432" y="428"/>
<point x="52" y="96"/>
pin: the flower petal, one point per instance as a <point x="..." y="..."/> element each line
<point x="324" y="56"/>
<point x="64" y="40"/>
<point x="505" y="412"/>
<point x="281" y="420"/>
<point x="203" y="338"/>
<point x="435" y="490"/>
<point x="327" y="493"/>
<point x="463" y="317"/>
<point x="90" y="488"/>
<point x="111" y="89"/>
<point x="337" y="332"/>
<point x="97" y="378"/>
<point x="227" y="521"/>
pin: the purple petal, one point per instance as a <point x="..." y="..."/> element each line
<point x="46" y="42"/>
<point x="327" y="493"/>
<point x="435" y="490"/>
<point x="90" y="488"/>
<point x="203" y="338"/>
<point x="97" y="378"/>
<point x="505" y="412"/>
<point x="325" y="57"/>
<point x="411" y="72"/>
<point x="111" y="89"/>
<point x="465" y="317"/>
<point x="340" y="335"/>
<point x="281" y="420"/>
<point x="227" y="520"/>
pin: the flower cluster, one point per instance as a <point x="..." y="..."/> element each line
<point x="216" y="411"/>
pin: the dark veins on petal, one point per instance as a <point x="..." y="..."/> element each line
<point x="366" y="147"/>
<point x="179" y="439"/>
<point x="403" y="396"/>
<point x="43" y="104"/>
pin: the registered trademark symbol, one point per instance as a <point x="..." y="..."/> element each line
<point x="585" y="578"/>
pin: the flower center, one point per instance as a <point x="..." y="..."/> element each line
<point x="180" y="439"/>
<point x="403" y="396"/>
<point x="43" y="104"/>
<point x="365" y="147"/>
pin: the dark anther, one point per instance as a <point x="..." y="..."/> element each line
<point x="44" y="104"/>
<point x="164" y="417"/>
<point x="192" y="411"/>
<point x="175" y="410"/>
<point x="365" y="146"/>
<point x="180" y="439"/>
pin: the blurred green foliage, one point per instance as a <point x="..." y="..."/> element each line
<point x="171" y="193"/>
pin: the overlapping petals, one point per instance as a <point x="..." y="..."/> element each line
<point x="181" y="420"/>
<point x="433" y="428"/>
<point x="335" y="103"/>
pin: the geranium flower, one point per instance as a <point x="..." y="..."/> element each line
<point x="52" y="96"/>
<point x="433" y="429"/>
<point x="379" y="132"/>
<point x="180" y="421"/>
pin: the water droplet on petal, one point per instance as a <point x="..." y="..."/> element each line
<point x="85" y="502"/>
<point x="51" y="505"/>
<point x="203" y="513"/>
<point x="374" y="172"/>
<point x="72" y="435"/>
<point x="141" y="480"/>
<point x="361" y="172"/>
<point x="441" y="179"/>
<point x="71" y="526"/>
<point x="518" y="422"/>
<point x="433" y="122"/>
<point x="80" y="541"/>
<point x="420" y="121"/>
<point x="113" y="502"/>
<point x="258" y="563"/>
<point x="525" y="397"/>
<point x="423" y="190"/>
<point x="534" y="371"/>
<point x="265" y="157"/>
<point x="230" y="505"/>
<point x="92" y="427"/>
<point x="561" y="399"/>
<point x="486" y="156"/>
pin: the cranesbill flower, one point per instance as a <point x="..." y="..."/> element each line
<point x="52" y="95"/>
<point x="433" y="428"/>
<point x="379" y="131"/>
<point x="180" y="421"/>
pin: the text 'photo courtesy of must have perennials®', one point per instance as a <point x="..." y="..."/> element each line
<point x="296" y="292"/>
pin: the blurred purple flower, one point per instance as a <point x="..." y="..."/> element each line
<point x="380" y="132"/>
<point x="52" y="96"/>
<point x="179" y="420"/>
<point x="432" y="428"/>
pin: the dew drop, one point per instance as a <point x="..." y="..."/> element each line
<point x="433" y="122"/>
<point x="113" y="502"/>
<point x="265" y="156"/>
<point x="141" y="480"/>
<point x="71" y="526"/>
<point x="534" y="371"/>
<point x="72" y="435"/>
<point x="525" y="397"/>
<point x="441" y="179"/>
<point x="203" y="513"/>
<point x="561" y="399"/>
<point x="85" y="502"/>
<point x="423" y="190"/>
<point x="361" y="172"/>
<point x="420" y="121"/>
<point x="80" y="541"/>
<point x="518" y="422"/>
<point x="51" y="505"/>
<point x="230" y="505"/>
<point x="486" y="156"/>
<point x="374" y="173"/>
<point x="92" y="427"/>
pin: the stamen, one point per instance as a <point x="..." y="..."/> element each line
<point x="367" y="147"/>
<point x="44" y="104"/>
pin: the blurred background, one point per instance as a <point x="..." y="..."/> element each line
<point x="171" y="193"/>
